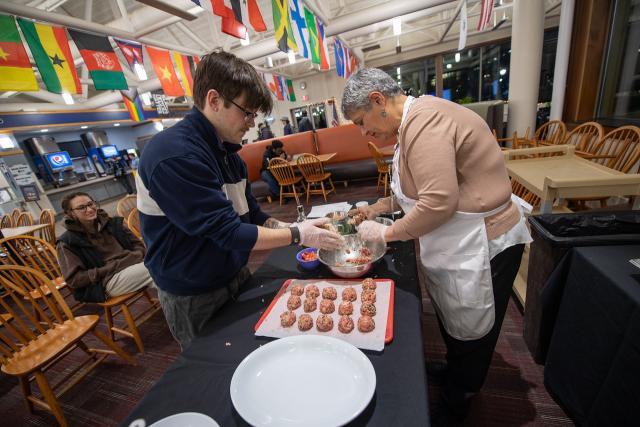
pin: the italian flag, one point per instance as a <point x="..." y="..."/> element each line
<point x="15" y="67"/>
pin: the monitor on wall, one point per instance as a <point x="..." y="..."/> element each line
<point x="74" y="148"/>
<point x="109" y="151"/>
<point x="59" y="161"/>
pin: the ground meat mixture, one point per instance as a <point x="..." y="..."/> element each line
<point x="366" y="324"/>
<point x="349" y="294"/>
<point x="329" y="293"/>
<point x="287" y="318"/>
<point x="324" y="323"/>
<point x="312" y="291"/>
<point x="327" y="306"/>
<point x="294" y="302"/>
<point x="368" y="296"/>
<point x="310" y="305"/>
<point x="345" y="308"/>
<point x="368" y="309"/>
<point x="297" y="290"/>
<point x="305" y="322"/>
<point x="345" y="325"/>
<point x="369" y="284"/>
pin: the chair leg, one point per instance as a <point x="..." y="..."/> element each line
<point x="132" y="327"/>
<point x="308" y="190"/>
<point x="50" y="398"/>
<point x="386" y="182"/>
<point x="109" y="318"/>
<point x="378" y="183"/>
<point x="269" y="199"/>
<point x="324" y="192"/>
<point x="113" y="346"/>
<point x="281" y="191"/>
<point x="26" y="391"/>
<point x="333" y="187"/>
<point x="295" y="194"/>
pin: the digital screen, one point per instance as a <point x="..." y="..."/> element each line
<point x="74" y="148"/>
<point x="59" y="160"/>
<point x="109" y="151"/>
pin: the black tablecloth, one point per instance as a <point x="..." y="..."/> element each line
<point x="593" y="364"/>
<point x="199" y="380"/>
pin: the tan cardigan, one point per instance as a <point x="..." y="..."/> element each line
<point x="449" y="161"/>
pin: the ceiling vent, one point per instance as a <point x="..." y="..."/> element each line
<point x="370" y="48"/>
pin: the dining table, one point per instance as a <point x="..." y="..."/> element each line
<point x="22" y="230"/>
<point x="324" y="158"/>
<point x="199" y="380"/>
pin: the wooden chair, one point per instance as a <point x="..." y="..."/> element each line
<point x="125" y="205"/>
<point x="24" y="219"/>
<point x="551" y="133"/>
<point x="283" y="173"/>
<point x="6" y="221"/>
<point x="15" y="213"/>
<point x="30" y="345"/>
<point x="47" y="216"/>
<point x="585" y="137"/>
<point x="313" y="172"/>
<point x="516" y="142"/>
<point x="133" y="222"/>
<point x="383" y="167"/>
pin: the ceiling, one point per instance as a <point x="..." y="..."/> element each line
<point x="364" y="25"/>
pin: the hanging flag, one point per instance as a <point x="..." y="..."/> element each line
<point x="132" y="52"/>
<point x="485" y="14"/>
<point x="347" y="62"/>
<point x="184" y="69"/>
<point x="101" y="60"/>
<point x="165" y="71"/>
<point x="230" y="25"/>
<point x="282" y="88"/>
<point x="134" y="105"/>
<point x="50" y="49"/>
<point x="462" y="42"/>
<point x="193" y="64"/>
<point x="248" y="12"/>
<point x="334" y="115"/>
<point x="353" y="60"/>
<point x="300" y="31"/>
<point x="324" y="49"/>
<point x="270" y="82"/>
<point x="15" y="67"/>
<point x="339" y="52"/>
<point x="282" y="26"/>
<point x="312" y="28"/>
<point x="292" y="95"/>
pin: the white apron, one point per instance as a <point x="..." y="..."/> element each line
<point x="456" y="261"/>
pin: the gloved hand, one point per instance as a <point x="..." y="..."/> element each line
<point x="372" y="231"/>
<point x="369" y="211"/>
<point x="313" y="236"/>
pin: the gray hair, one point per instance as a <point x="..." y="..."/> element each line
<point x="356" y="93"/>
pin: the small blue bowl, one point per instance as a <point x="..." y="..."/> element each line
<point x="308" y="265"/>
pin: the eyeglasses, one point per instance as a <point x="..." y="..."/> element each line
<point x="83" y="208"/>
<point x="248" y="115"/>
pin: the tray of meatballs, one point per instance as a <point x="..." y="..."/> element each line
<point x="357" y="311"/>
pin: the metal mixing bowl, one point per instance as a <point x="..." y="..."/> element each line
<point x="336" y="259"/>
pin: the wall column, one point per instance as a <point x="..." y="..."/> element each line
<point x="562" y="59"/>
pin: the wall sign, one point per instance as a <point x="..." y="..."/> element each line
<point x="30" y="193"/>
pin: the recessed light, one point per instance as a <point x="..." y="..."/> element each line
<point x="116" y="124"/>
<point x="44" y="130"/>
<point x="83" y="127"/>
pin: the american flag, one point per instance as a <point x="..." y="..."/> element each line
<point x="334" y="120"/>
<point x="485" y="14"/>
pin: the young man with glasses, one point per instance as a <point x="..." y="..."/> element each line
<point x="99" y="256"/>
<point x="198" y="217"/>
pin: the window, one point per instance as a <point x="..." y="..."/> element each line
<point x="460" y="76"/>
<point x="416" y="78"/>
<point x="495" y="71"/>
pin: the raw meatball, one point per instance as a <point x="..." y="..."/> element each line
<point x="366" y="324"/>
<point x="324" y="323"/>
<point x="369" y="284"/>
<point x="345" y="325"/>
<point x="310" y="305"/>
<point x="368" y="309"/>
<point x="312" y="291"/>
<point x="329" y="293"/>
<point x="349" y="294"/>
<point x="368" y="296"/>
<point x="287" y="318"/>
<point x="297" y="290"/>
<point x="327" y="306"/>
<point x="305" y="322"/>
<point x="294" y="302"/>
<point x="345" y="308"/>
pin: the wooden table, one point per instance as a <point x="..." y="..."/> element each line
<point x="567" y="176"/>
<point x="322" y="157"/>
<point x="20" y="231"/>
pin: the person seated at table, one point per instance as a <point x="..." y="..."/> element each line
<point x="276" y="149"/>
<point x="99" y="256"/>
<point x="198" y="217"/>
<point x="450" y="179"/>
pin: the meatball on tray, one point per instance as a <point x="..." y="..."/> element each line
<point x="359" y="311"/>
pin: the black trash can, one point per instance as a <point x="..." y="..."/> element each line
<point x="553" y="236"/>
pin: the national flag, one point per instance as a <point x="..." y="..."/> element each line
<point x="50" y="49"/>
<point x="312" y="28"/>
<point x="299" y="24"/>
<point x="485" y="14"/>
<point x="334" y="119"/>
<point x="248" y="12"/>
<point x="193" y="64"/>
<point x="184" y="70"/>
<point x="164" y="70"/>
<point x="132" y="52"/>
<point x="282" y="88"/>
<point x="353" y="60"/>
<point x="15" y="67"/>
<point x="339" y="52"/>
<point x="134" y="105"/>
<point x="347" y="62"/>
<point x="324" y="49"/>
<point x="292" y="95"/>
<point x="230" y="25"/>
<point x="101" y="60"/>
<point x="462" y="41"/>
<point x="282" y="26"/>
<point x="274" y="87"/>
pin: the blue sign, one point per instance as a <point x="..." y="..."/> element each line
<point x="109" y="151"/>
<point x="59" y="160"/>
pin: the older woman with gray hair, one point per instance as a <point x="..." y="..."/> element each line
<point x="450" y="180"/>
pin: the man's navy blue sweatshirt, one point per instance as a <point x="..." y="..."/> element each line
<point x="197" y="213"/>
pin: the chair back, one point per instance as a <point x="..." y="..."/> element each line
<point x="586" y="137"/>
<point x="552" y="132"/>
<point x="32" y="252"/>
<point x="133" y="222"/>
<point x="6" y="221"/>
<point x="47" y="216"/>
<point x="24" y="219"/>
<point x="15" y="213"/>
<point x="126" y="204"/>
<point x="619" y="148"/>
<point x="310" y="167"/>
<point x="383" y="167"/>
<point x="282" y="171"/>
<point x="33" y="302"/>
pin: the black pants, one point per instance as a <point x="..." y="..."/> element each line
<point x="468" y="361"/>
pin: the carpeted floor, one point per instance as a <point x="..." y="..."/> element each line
<point x="513" y="394"/>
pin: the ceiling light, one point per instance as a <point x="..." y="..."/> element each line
<point x="457" y="56"/>
<point x="398" y="70"/>
<point x="245" y="41"/>
<point x="116" y="124"/>
<point x="84" y="127"/>
<point x="159" y="126"/>
<point x="448" y="66"/>
<point x="44" y="130"/>
<point x="140" y="72"/>
<point x="268" y="62"/>
<point x="6" y="141"/>
<point x="68" y="99"/>
<point x="292" y="56"/>
<point x="397" y="26"/>
<point x="503" y="71"/>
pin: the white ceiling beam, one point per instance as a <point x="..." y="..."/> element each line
<point x="164" y="22"/>
<point x="50" y="5"/>
<point x="452" y="19"/>
<point x="189" y="33"/>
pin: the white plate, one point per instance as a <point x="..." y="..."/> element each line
<point x="186" y="419"/>
<point x="304" y="380"/>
